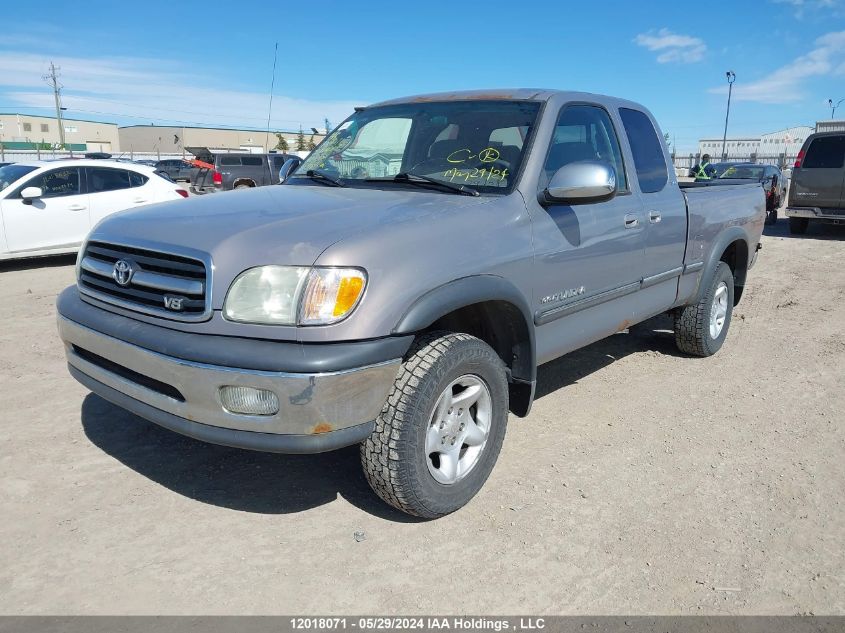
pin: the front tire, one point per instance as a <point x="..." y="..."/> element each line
<point x="701" y="328"/>
<point x="441" y="429"/>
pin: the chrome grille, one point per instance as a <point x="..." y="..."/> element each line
<point x="154" y="282"/>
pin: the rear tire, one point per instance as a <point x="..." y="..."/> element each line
<point x="700" y="329"/>
<point x="798" y="226"/>
<point x="242" y="186"/>
<point x="429" y="455"/>
<point x="772" y="216"/>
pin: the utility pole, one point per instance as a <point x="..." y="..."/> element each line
<point x="52" y="79"/>
<point x="833" y="106"/>
<point x="731" y="75"/>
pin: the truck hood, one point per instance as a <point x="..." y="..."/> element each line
<point x="286" y="225"/>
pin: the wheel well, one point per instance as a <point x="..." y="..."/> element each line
<point x="502" y="326"/>
<point x="244" y="181"/>
<point x="736" y="256"/>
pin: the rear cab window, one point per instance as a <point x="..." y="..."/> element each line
<point x="825" y="152"/>
<point x="649" y="161"/>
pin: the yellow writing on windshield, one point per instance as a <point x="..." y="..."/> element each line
<point x="478" y="176"/>
<point x="487" y="155"/>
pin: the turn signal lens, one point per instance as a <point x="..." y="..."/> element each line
<point x="331" y="294"/>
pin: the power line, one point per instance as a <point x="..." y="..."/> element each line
<point x="270" y="108"/>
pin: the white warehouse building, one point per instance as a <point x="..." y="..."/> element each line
<point x="787" y="142"/>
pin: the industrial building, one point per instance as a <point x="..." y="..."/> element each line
<point x="168" y="139"/>
<point x="831" y="125"/>
<point x="33" y="132"/>
<point x="787" y="142"/>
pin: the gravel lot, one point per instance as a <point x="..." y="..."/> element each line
<point x="643" y="482"/>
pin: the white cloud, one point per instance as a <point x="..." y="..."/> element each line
<point x="785" y="84"/>
<point x="145" y="90"/>
<point x="672" y="47"/>
<point x="801" y="7"/>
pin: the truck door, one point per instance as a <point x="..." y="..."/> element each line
<point x="588" y="257"/>
<point x="665" y="214"/>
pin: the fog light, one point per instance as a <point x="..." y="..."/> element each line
<point x="249" y="400"/>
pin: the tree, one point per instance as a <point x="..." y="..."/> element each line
<point x="301" y="145"/>
<point x="666" y="138"/>
<point x="282" y="145"/>
<point x="311" y="144"/>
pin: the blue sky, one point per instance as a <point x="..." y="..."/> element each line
<point x="210" y="64"/>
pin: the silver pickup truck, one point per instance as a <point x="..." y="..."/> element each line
<point x="402" y="286"/>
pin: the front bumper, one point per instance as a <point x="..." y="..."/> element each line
<point x="318" y="411"/>
<point x="816" y="213"/>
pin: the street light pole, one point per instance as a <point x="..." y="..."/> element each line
<point x="731" y="75"/>
<point x="833" y="107"/>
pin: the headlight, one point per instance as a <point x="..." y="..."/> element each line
<point x="291" y="295"/>
<point x="267" y="294"/>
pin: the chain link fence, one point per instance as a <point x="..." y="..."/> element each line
<point x="783" y="161"/>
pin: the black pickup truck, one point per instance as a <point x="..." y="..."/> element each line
<point x="235" y="170"/>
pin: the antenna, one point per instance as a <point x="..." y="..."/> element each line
<point x="52" y="79"/>
<point x="270" y="109"/>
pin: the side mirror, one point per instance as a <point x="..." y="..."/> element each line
<point x="31" y="193"/>
<point x="581" y="183"/>
<point x="288" y="167"/>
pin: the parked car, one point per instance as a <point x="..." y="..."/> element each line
<point x="47" y="207"/>
<point x="4" y="164"/>
<point x="817" y="187"/>
<point x="176" y="168"/>
<point x="769" y="176"/>
<point x="403" y="285"/>
<point x="235" y="170"/>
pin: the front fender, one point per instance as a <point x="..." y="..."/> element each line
<point x="468" y="291"/>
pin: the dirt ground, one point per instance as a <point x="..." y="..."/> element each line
<point x="643" y="482"/>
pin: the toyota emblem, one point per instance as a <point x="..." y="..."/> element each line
<point x="122" y="272"/>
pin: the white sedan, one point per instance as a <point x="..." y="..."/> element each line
<point x="48" y="207"/>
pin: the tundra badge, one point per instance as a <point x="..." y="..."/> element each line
<point x="563" y="294"/>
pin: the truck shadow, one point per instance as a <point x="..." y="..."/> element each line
<point x="243" y="480"/>
<point x="815" y="231"/>
<point x="269" y="483"/>
<point x="655" y="335"/>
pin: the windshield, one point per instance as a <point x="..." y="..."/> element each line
<point x="479" y="144"/>
<point x="10" y="173"/>
<point x="743" y="171"/>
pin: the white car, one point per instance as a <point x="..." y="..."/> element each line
<point x="48" y="207"/>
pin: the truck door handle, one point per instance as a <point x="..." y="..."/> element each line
<point x="77" y="207"/>
<point x="631" y="221"/>
<point x="654" y="217"/>
<point x="139" y="200"/>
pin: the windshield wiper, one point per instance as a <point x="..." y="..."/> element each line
<point x="320" y="176"/>
<point x="425" y="181"/>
